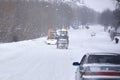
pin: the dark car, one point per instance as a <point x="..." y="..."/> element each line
<point x="98" y="66"/>
<point x="62" y="43"/>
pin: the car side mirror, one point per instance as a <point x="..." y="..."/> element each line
<point x="76" y="63"/>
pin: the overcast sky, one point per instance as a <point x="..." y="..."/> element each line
<point x="100" y="5"/>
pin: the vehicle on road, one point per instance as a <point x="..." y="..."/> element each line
<point x="98" y="66"/>
<point x="62" y="43"/>
<point x="75" y="27"/>
<point x="52" y="38"/>
<point x="63" y="39"/>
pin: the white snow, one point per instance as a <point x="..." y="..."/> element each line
<point x="35" y="60"/>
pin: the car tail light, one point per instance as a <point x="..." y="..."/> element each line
<point x="95" y="70"/>
<point x="108" y="73"/>
<point x="102" y="73"/>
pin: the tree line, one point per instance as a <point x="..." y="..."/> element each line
<point x="23" y="20"/>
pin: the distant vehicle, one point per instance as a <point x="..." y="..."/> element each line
<point x="87" y="27"/>
<point x="63" y="39"/>
<point x="52" y="38"/>
<point x="98" y="66"/>
<point x="62" y="43"/>
<point x="75" y="27"/>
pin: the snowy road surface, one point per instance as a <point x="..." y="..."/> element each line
<point x="34" y="60"/>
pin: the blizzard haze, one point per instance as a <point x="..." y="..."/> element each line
<point x="35" y="60"/>
<point x="100" y="5"/>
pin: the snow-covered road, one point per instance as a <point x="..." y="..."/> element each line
<point x="34" y="60"/>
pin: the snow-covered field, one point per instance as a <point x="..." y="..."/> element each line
<point x="34" y="60"/>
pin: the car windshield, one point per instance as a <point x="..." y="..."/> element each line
<point x="107" y="59"/>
